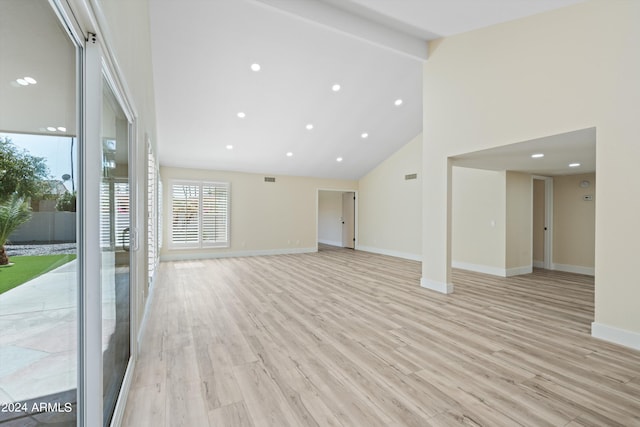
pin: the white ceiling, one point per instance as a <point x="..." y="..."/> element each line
<point x="559" y="151"/>
<point x="441" y="18"/>
<point x="202" y="52"/>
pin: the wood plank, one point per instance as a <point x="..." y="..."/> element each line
<point x="146" y="406"/>
<point x="233" y="415"/>
<point x="347" y="338"/>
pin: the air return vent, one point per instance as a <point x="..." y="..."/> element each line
<point x="269" y="179"/>
<point x="411" y="176"/>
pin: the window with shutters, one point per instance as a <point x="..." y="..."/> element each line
<point x="199" y="214"/>
<point x="152" y="213"/>
<point x="114" y="214"/>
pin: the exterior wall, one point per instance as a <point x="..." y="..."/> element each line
<point x="47" y="227"/>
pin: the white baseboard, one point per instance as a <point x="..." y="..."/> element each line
<point x="494" y="271"/>
<point x="589" y="271"/>
<point x="330" y="242"/>
<point x="121" y="401"/>
<point x="517" y="271"/>
<point x="145" y="307"/>
<point x="525" y="269"/>
<point x="444" y="288"/>
<point x="486" y="269"/>
<point x="232" y="254"/>
<point x="616" y="335"/>
<point x="397" y="254"/>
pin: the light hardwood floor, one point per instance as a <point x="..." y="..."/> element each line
<point x="347" y="338"/>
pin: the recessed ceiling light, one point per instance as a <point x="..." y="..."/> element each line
<point x="309" y="126"/>
<point x="26" y="81"/>
<point x="398" y="102"/>
<point x="62" y="128"/>
<point x="339" y="159"/>
<point x="51" y="129"/>
<point x="255" y="67"/>
<point x="537" y="155"/>
<point x="364" y="135"/>
<point x="289" y="154"/>
<point x="335" y="87"/>
<point x="574" y="165"/>
<point x="242" y="115"/>
<point x="229" y="147"/>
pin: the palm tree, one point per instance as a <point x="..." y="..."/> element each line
<point x="14" y="212"/>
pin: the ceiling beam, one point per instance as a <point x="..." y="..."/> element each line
<point x="337" y="19"/>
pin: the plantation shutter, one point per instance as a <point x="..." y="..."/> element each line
<point x="152" y="214"/>
<point x="122" y="214"/>
<point x="160" y="214"/>
<point x="106" y="238"/>
<point x="185" y="215"/>
<point x="215" y="208"/>
<point x="199" y="214"/>
<point x="114" y="215"/>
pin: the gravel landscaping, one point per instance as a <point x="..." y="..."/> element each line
<point x="40" y="249"/>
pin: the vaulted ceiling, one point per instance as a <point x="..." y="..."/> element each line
<point x="215" y="112"/>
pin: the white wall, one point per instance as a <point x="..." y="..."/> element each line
<point x="508" y="200"/>
<point x="513" y="82"/>
<point x="329" y="217"/>
<point x="574" y="221"/>
<point x="266" y="218"/>
<point x="519" y="220"/>
<point x="478" y="227"/>
<point x="390" y="207"/>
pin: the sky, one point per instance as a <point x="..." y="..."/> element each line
<point x="55" y="149"/>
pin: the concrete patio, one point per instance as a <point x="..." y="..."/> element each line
<point x="38" y="344"/>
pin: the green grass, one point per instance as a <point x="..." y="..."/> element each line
<point x="26" y="268"/>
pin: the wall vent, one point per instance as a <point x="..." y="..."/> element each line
<point x="269" y="179"/>
<point x="411" y="176"/>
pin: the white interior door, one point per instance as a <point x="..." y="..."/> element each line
<point x="349" y="219"/>
<point x="542" y="222"/>
<point x="539" y="223"/>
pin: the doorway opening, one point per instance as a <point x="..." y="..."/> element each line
<point x="337" y="219"/>
<point x="542" y="222"/>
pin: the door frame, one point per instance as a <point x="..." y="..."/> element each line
<point x="347" y="195"/>
<point x="346" y="190"/>
<point x="86" y="25"/>
<point x="548" y="219"/>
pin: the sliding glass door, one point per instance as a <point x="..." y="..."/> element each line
<point x="66" y="199"/>
<point x="115" y="242"/>
<point x="39" y="134"/>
